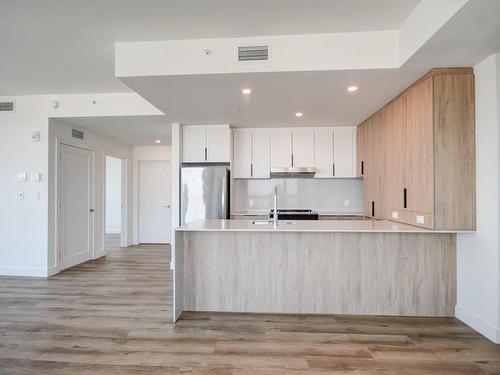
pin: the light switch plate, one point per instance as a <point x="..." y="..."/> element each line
<point x="420" y="219"/>
<point x="35" y="136"/>
<point x="22" y="177"/>
<point x="346" y="202"/>
<point x="36" y="177"/>
<point x="395" y="215"/>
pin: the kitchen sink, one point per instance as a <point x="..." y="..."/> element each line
<point x="270" y="222"/>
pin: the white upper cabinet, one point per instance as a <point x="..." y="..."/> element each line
<point x="194" y="141"/>
<point x="303" y="148"/>
<point x="218" y="149"/>
<point x="344" y="152"/>
<point x="332" y="151"/>
<point x="206" y="143"/>
<point x="281" y="148"/>
<point x="323" y="153"/>
<point x="261" y="158"/>
<point x="251" y="154"/>
<point x="242" y="155"/>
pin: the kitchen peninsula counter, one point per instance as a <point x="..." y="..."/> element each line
<point x="366" y="267"/>
<point x="337" y="225"/>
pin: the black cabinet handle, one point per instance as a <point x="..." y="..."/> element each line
<point x="205" y="154"/>
<point x="373" y="208"/>
<point x="362" y="167"/>
<point x="333" y="168"/>
<point x="292" y="160"/>
<point x="405" y="198"/>
<point x="251" y="170"/>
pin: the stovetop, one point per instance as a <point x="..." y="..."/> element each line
<point x="295" y="214"/>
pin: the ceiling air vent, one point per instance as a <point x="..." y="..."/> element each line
<point x="253" y="53"/>
<point x="7" y="107"/>
<point x="75" y="133"/>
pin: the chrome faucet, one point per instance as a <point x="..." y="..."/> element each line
<point x="275" y="212"/>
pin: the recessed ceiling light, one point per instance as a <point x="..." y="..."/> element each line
<point x="352" y="88"/>
<point x="246" y="91"/>
<point x="298" y="114"/>
<point x="157" y="141"/>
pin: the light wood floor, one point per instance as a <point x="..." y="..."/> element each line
<point x="112" y="316"/>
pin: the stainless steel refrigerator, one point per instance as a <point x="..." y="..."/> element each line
<point x="204" y="192"/>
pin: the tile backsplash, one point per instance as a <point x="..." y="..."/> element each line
<point x="329" y="196"/>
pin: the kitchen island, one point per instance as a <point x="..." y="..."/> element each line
<point x="366" y="267"/>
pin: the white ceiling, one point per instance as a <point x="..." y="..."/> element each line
<point x="469" y="37"/>
<point x="322" y="96"/>
<point x="67" y="46"/>
<point x="131" y="130"/>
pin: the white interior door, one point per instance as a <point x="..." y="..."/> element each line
<point x="75" y="171"/>
<point x="154" y="202"/>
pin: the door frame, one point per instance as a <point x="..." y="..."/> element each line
<point x="138" y="199"/>
<point x="58" y="250"/>
<point x="124" y="200"/>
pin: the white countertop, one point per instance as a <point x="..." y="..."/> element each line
<point x="239" y="225"/>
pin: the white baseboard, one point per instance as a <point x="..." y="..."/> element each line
<point x="99" y="254"/>
<point x="28" y="272"/>
<point x="52" y="271"/>
<point x="485" y="328"/>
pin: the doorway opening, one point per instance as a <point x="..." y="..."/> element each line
<point x="114" y="226"/>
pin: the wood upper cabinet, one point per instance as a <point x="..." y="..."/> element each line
<point x="206" y="143"/>
<point x="360" y="148"/>
<point x="303" y="147"/>
<point x="419" y="155"/>
<point x="395" y="140"/>
<point x="419" y="158"/>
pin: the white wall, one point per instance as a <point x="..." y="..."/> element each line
<point x="141" y="153"/>
<point x="113" y="195"/>
<point x="478" y="254"/>
<point x="25" y="224"/>
<point x="323" y="195"/>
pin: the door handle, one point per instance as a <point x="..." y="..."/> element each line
<point x="167" y="206"/>
<point x="91" y="210"/>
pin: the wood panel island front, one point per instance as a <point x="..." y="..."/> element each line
<point x="366" y="267"/>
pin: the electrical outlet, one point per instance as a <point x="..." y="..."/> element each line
<point x="346" y="202"/>
<point x="395" y="215"/>
<point x="20" y="196"/>
<point x="420" y="219"/>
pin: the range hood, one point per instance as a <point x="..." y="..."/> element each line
<point x="293" y="172"/>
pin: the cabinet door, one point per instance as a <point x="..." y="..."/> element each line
<point x="281" y="149"/>
<point x="360" y="154"/>
<point x="396" y="148"/>
<point x="194" y="140"/>
<point x="343" y="152"/>
<point x="261" y="157"/>
<point x="369" y="172"/>
<point x="218" y="144"/>
<point x="323" y="153"/>
<point x="242" y="155"/>
<point x="419" y="148"/>
<point x="303" y="148"/>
